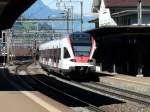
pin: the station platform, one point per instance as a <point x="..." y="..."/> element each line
<point x="29" y="100"/>
<point x="136" y="84"/>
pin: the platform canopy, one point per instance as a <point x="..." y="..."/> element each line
<point x="10" y="10"/>
<point x="118" y="31"/>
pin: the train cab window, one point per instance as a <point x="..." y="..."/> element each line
<point x="66" y="53"/>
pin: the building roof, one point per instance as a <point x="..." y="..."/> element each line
<point x="119" y="31"/>
<point x="120" y="3"/>
<point x="10" y="10"/>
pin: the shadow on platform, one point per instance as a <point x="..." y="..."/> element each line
<point x="90" y="97"/>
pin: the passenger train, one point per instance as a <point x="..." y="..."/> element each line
<point x="70" y="54"/>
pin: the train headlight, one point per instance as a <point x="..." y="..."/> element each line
<point x="90" y="60"/>
<point x="73" y="60"/>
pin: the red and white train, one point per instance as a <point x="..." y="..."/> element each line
<point x="71" y="53"/>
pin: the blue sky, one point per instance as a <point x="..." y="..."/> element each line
<point x="87" y="4"/>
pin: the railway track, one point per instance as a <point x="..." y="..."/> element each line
<point x="118" y="93"/>
<point x="48" y="87"/>
<point x="98" y="88"/>
<point x="110" y="91"/>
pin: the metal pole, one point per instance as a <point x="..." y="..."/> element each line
<point x="67" y="20"/>
<point x="3" y="46"/>
<point x="140" y="12"/>
<point x="81" y="14"/>
<point x="34" y="51"/>
<point x="72" y="18"/>
<point x="7" y="41"/>
<point x="4" y="58"/>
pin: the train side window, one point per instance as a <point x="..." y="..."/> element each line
<point x="59" y="53"/>
<point x="66" y="53"/>
<point x="50" y="53"/>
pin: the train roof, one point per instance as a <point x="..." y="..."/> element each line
<point x="79" y="33"/>
<point x="49" y="44"/>
<point x="57" y="40"/>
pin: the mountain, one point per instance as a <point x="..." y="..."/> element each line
<point x="40" y="11"/>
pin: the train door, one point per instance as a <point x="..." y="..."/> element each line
<point x="60" y="56"/>
<point x="66" y="58"/>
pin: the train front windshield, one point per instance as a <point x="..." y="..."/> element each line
<point x="81" y="44"/>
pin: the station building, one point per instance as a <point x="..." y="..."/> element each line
<point x="123" y="48"/>
<point x="124" y="12"/>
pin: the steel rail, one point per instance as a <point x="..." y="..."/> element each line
<point x="119" y="93"/>
<point x="89" y="106"/>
